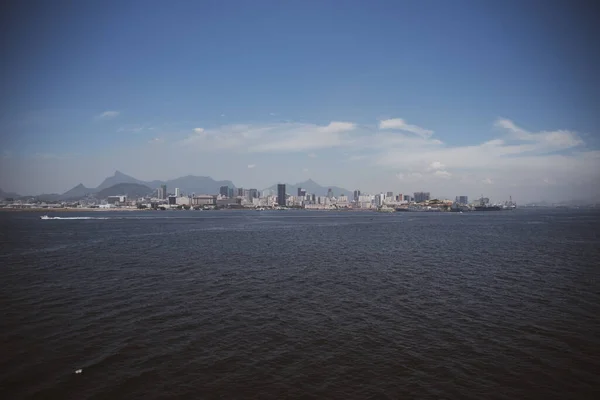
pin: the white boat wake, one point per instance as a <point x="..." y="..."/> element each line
<point x="47" y="217"/>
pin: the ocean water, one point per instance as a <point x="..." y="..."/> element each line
<point x="272" y="305"/>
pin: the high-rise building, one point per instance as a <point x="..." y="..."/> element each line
<point x="177" y="192"/>
<point x="224" y="191"/>
<point x="301" y="192"/>
<point x="462" y="199"/>
<point x="230" y="192"/>
<point x="389" y="194"/>
<point x="379" y="199"/>
<point x="163" y="192"/>
<point x="400" y="197"/>
<point x="407" y="197"/>
<point x="253" y="193"/>
<point x="421" y="197"/>
<point x="356" y="195"/>
<point x="281" y="194"/>
<point x="329" y="193"/>
<point x="240" y="192"/>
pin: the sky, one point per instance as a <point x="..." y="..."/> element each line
<point x="454" y="98"/>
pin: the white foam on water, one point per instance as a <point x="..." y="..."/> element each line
<point x="76" y="218"/>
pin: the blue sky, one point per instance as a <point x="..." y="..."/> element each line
<point x="503" y="94"/>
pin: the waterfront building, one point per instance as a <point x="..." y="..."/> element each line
<point x="421" y="197"/>
<point x="204" y="200"/>
<point x="462" y="200"/>
<point x="329" y="193"/>
<point x="177" y="193"/>
<point x="182" y="201"/>
<point x="224" y="191"/>
<point x="116" y="199"/>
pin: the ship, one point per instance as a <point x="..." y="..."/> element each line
<point x="484" y="206"/>
<point x="488" y="208"/>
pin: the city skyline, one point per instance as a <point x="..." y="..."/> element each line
<point x="248" y="92"/>
<point x="163" y="190"/>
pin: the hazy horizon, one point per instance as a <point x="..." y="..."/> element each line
<point x="452" y="98"/>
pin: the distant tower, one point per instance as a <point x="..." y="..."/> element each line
<point x="177" y="192"/>
<point x="281" y="194"/>
<point x="329" y="193"/>
<point x="163" y="190"/>
<point x="224" y="191"/>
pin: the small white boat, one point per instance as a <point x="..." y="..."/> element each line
<point x="45" y="217"/>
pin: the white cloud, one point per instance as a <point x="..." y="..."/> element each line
<point x="400" y="124"/>
<point x="487" y="181"/>
<point x="549" y="141"/>
<point x="410" y="176"/>
<point x="442" y="174"/>
<point x="279" y="137"/>
<point x="199" y="130"/>
<point x="156" y="140"/>
<point x="337" y="127"/>
<point x="250" y="166"/>
<point x="108" y="115"/>
<point x="436" y="165"/>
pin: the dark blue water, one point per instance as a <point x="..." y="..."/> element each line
<point x="300" y="305"/>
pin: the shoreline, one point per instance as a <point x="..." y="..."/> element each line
<point x="49" y="210"/>
<point x="62" y="210"/>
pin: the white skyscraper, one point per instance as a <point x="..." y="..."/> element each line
<point x="176" y="192"/>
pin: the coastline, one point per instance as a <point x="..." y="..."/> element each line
<point x="48" y="210"/>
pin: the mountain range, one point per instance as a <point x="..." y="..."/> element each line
<point x="121" y="183"/>
<point x="4" y="195"/>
